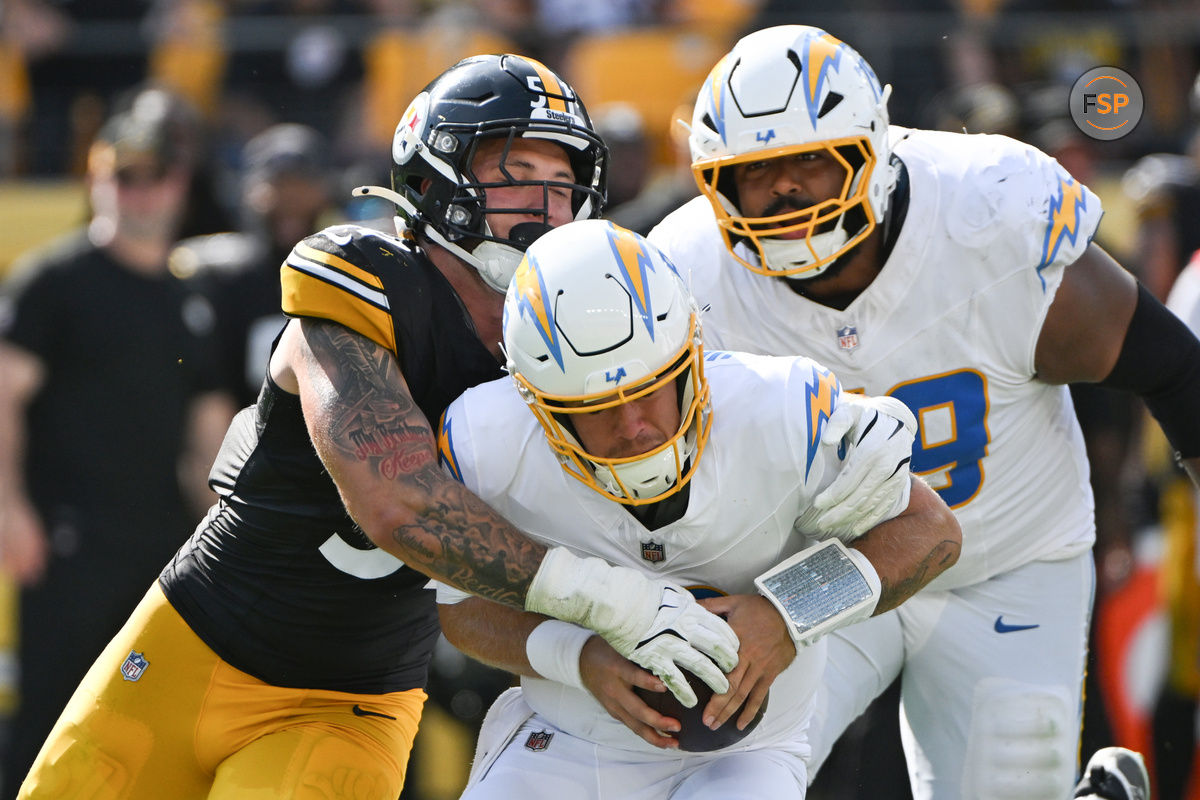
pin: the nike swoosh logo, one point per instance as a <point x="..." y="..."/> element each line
<point x="340" y="239"/>
<point x="1003" y="627"/>
<point x="359" y="711"/>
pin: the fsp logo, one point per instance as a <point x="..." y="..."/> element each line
<point x="1106" y="103"/>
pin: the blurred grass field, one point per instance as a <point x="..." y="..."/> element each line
<point x="32" y="212"/>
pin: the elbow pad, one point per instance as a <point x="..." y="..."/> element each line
<point x="1160" y="362"/>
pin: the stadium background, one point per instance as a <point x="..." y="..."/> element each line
<point x="348" y="68"/>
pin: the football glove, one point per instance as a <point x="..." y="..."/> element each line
<point x="873" y="484"/>
<point x="652" y="622"/>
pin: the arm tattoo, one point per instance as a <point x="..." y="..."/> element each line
<point x="893" y="594"/>
<point x="372" y="419"/>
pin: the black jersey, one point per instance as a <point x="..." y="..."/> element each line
<point x="278" y="580"/>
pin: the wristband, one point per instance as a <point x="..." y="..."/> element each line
<point x="820" y="589"/>
<point x="553" y="649"/>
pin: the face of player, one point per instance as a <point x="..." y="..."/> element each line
<point x="526" y="160"/>
<point x="633" y="428"/>
<point x="787" y="183"/>
<point x="144" y="201"/>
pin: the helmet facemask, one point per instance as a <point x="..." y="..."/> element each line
<point x="647" y="477"/>
<point x="468" y="222"/>
<point x="595" y="318"/>
<point x="780" y="93"/>
<point x="796" y="241"/>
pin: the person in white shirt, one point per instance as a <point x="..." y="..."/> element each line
<point x="647" y="452"/>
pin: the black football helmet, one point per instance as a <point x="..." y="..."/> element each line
<point x="488" y="96"/>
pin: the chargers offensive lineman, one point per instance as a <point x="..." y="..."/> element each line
<point x="955" y="273"/>
<point x="283" y="651"/>
<point x="643" y="451"/>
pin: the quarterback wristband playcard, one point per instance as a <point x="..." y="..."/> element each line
<point x="819" y="589"/>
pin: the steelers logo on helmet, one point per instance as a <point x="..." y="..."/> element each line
<point x="785" y="93"/>
<point x="596" y="317"/>
<point x="411" y="130"/>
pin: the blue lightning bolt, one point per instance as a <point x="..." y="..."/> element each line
<point x="821" y="394"/>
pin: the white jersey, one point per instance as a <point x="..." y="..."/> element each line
<point x="749" y="499"/>
<point x="949" y="327"/>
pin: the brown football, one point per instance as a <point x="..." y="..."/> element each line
<point x="693" y="735"/>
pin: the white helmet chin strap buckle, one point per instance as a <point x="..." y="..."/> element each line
<point x="784" y="254"/>
<point x="646" y="477"/>
<point x="495" y="262"/>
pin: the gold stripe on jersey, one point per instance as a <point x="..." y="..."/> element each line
<point x="340" y="264"/>
<point x="312" y="289"/>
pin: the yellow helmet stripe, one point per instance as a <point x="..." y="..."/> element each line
<point x="555" y="93"/>
<point x="716" y="95"/>
<point x="531" y="298"/>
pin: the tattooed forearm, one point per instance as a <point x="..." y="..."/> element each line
<point x="471" y="547"/>
<point x="493" y="560"/>
<point x="367" y="417"/>
<point x="895" y="592"/>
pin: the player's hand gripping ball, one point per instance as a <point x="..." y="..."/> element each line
<point x="694" y="736"/>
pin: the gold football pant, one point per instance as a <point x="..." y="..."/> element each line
<point x="160" y="715"/>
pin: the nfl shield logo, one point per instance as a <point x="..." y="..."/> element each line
<point x="135" y="664"/>
<point x="847" y="337"/>
<point x="652" y="552"/>
<point x="538" y="740"/>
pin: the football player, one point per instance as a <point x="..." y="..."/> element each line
<point x="955" y="273"/>
<point x="643" y="450"/>
<point x="283" y="650"/>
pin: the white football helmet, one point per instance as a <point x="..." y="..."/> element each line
<point x="596" y="317"/>
<point x="782" y="92"/>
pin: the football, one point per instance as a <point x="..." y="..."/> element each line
<point x="693" y="735"/>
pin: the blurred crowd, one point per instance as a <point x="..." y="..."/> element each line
<point x="276" y="109"/>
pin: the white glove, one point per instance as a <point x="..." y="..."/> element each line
<point x="874" y="481"/>
<point x="653" y="623"/>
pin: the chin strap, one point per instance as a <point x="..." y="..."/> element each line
<point x="495" y="262"/>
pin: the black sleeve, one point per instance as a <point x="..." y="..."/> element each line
<point x="1160" y="361"/>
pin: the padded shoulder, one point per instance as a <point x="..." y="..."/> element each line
<point x="338" y="275"/>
